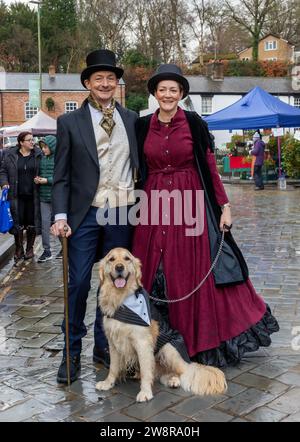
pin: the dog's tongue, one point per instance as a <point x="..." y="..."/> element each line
<point x="120" y="283"/>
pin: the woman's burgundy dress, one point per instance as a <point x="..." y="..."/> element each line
<point x="218" y="324"/>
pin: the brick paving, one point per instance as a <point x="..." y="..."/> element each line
<point x="265" y="386"/>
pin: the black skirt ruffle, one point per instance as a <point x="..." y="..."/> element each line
<point x="231" y="352"/>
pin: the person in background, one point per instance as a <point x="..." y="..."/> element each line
<point x="19" y="167"/>
<point x="44" y="180"/>
<point x="259" y="152"/>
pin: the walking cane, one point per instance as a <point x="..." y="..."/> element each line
<point x="66" y="300"/>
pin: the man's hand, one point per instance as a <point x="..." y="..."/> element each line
<point x="61" y="228"/>
<point x="6" y="186"/>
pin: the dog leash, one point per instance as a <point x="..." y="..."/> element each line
<point x="171" y="301"/>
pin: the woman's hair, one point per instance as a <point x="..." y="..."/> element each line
<point x="179" y="84"/>
<point x="21" y="137"/>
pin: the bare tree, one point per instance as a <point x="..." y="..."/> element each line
<point x="282" y="20"/>
<point x="159" y="28"/>
<point x="201" y="15"/>
<point x="110" y="21"/>
<point x="178" y="23"/>
<point x="251" y="15"/>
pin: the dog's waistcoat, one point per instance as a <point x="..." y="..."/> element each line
<point x="138" y="310"/>
<point x="135" y="309"/>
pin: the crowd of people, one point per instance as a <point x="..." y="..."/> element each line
<point x="102" y="153"/>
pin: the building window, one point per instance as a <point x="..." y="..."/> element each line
<point x="272" y="59"/>
<point x="206" y="105"/>
<point x="270" y="45"/>
<point x="30" y="111"/>
<point x="70" y="106"/>
<point x="297" y="102"/>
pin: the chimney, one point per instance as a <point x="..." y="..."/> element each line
<point x="52" y="72"/>
<point x="215" y="70"/>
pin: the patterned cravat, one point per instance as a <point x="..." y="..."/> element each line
<point x="107" y="122"/>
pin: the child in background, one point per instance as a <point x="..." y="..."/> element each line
<point x="45" y="179"/>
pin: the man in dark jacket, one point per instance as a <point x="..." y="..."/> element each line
<point x="45" y="180"/>
<point x="95" y="160"/>
<point x="259" y="152"/>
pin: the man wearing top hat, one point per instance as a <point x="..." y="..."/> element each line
<point x="95" y="164"/>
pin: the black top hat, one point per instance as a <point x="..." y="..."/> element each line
<point x="100" y="60"/>
<point x="168" y="72"/>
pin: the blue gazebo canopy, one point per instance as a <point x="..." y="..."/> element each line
<point x="257" y="109"/>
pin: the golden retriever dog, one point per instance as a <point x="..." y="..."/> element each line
<point x="133" y="346"/>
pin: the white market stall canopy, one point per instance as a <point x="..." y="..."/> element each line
<point x="39" y="124"/>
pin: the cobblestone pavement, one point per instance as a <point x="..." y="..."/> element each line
<point x="265" y="386"/>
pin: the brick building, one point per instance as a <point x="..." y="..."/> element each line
<point x="271" y="47"/>
<point x="65" y="90"/>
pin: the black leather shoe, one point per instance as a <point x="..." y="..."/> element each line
<point x="62" y="377"/>
<point x="101" y="356"/>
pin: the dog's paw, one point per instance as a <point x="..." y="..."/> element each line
<point x="104" y="385"/>
<point x="174" y="382"/>
<point x="144" y="396"/>
<point x="168" y="380"/>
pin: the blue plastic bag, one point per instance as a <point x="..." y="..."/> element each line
<point x="6" y="221"/>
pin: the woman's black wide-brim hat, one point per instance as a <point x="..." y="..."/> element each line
<point x="168" y="72"/>
<point x="100" y="60"/>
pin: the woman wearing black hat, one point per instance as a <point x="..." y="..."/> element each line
<point x="224" y="317"/>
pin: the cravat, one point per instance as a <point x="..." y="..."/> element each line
<point x="107" y="122"/>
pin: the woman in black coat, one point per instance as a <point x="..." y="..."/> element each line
<point x="18" y="169"/>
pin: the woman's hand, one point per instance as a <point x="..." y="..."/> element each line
<point x="225" y="219"/>
<point x="40" y="180"/>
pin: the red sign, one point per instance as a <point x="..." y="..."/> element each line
<point x="238" y="163"/>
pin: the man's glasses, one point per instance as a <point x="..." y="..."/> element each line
<point x="30" y="140"/>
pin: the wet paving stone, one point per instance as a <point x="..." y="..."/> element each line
<point x="106" y="406"/>
<point x="191" y="406"/>
<point x="23" y="411"/>
<point x="62" y="410"/>
<point x="9" y="396"/>
<point x="38" y="341"/>
<point x="10" y="346"/>
<point x="167" y="416"/>
<point x="292" y="418"/>
<point x="288" y="402"/>
<point x="31" y="312"/>
<point x="48" y="395"/>
<point x="273" y="369"/>
<point x="233" y="372"/>
<point x="262" y="383"/>
<point x="234" y="389"/>
<point x="144" y="411"/>
<point x="265" y="414"/>
<point x="22" y="324"/>
<point x="50" y="319"/>
<point x="290" y="378"/>
<point x="245" y="402"/>
<point x="117" y="417"/>
<point x="88" y="390"/>
<point x="212" y="415"/>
